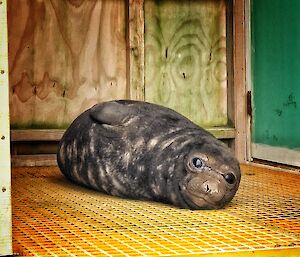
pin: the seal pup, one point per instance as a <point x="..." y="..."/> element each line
<point x="140" y="150"/>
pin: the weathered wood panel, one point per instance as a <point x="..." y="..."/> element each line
<point x="36" y="135"/>
<point x="24" y="135"/>
<point x="185" y="58"/>
<point x="240" y="91"/>
<point x="64" y="56"/>
<point x="34" y="160"/>
<point x="136" y="46"/>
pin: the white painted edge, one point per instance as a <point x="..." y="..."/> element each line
<point x="276" y="154"/>
<point x="288" y="169"/>
<point x="249" y="81"/>
<point x="5" y="172"/>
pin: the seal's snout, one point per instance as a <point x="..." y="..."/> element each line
<point x="206" y="187"/>
<point x="210" y="187"/>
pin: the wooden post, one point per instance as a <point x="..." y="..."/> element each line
<point x="136" y="50"/>
<point x="239" y="79"/>
<point x="5" y="183"/>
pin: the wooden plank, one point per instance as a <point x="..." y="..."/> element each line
<point x="50" y="159"/>
<point x="230" y="71"/>
<point x="33" y="160"/>
<point x="5" y="172"/>
<point x="239" y="65"/>
<point x="56" y="135"/>
<point x="37" y="135"/>
<point x="136" y="46"/>
<point x="223" y="132"/>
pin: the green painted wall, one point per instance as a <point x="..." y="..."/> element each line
<point x="185" y="58"/>
<point x="276" y="72"/>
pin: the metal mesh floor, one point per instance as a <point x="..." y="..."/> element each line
<point x="52" y="217"/>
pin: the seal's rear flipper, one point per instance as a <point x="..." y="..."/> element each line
<point x="111" y="113"/>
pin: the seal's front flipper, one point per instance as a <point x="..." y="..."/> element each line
<point x="111" y="113"/>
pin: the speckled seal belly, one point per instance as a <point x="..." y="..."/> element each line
<point x="144" y="151"/>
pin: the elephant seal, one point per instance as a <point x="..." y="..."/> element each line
<point x="140" y="150"/>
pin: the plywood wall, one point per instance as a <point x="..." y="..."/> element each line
<point x="185" y="58"/>
<point x="64" y="56"/>
<point x="67" y="55"/>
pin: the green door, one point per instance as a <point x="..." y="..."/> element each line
<point x="275" y="57"/>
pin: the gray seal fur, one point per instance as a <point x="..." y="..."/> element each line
<point x="139" y="150"/>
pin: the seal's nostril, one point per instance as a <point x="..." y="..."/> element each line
<point x="207" y="188"/>
<point x="229" y="177"/>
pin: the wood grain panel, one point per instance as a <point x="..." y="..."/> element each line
<point x="64" y="56"/>
<point x="240" y="92"/>
<point x="185" y="58"/>
<point x="136" y="46"/>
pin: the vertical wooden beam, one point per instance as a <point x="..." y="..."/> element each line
<point x="229" y="62"/>
<point x="239" y="61"/>
<point x="239" y="78"/>
<point x="136" y="50"/>
<point x="5" y="173"/>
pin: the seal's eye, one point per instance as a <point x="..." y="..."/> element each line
<point x="230" y="178"/>
<point x="198" y="163"/>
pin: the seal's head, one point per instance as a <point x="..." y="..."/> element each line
<point x="212" y="177"/>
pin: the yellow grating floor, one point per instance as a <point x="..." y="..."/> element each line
<point x="52" y="217"/>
